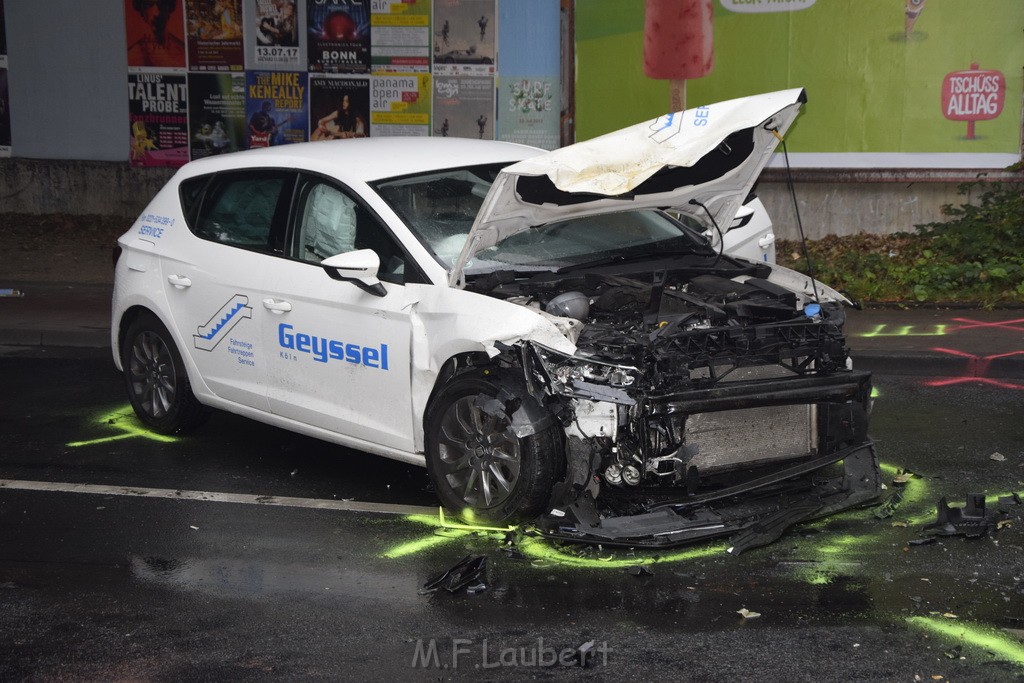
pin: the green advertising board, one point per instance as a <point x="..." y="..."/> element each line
<point x="890" y="83"/>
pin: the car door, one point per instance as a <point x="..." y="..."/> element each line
<point x="341" y="357"/>
<point x="214" y="281"/>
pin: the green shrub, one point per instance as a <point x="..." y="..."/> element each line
<point x="975" y="256"/>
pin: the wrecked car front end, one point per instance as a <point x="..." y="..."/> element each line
<point x="698" y="406"/>
<point x="695" y="394"/>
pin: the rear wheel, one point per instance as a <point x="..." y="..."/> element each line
<point x="158" y="386"/>
<point x="479" y="467"/>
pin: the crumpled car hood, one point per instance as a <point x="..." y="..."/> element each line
<point x="711" y="155"/>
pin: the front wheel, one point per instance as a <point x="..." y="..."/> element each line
<point x="479" y="467"/>
<point x="158" y="386"/>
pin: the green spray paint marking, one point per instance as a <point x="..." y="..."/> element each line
<point x="537" y="548"/>
<point x="421" y="544"/>
<point x="904" y="331"/>
<point x="123" y="420"/>
<point x="986" y="638"/>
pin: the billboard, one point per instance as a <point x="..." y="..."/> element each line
<point x="897" y="83"/>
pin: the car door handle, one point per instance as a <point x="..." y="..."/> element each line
<point x="277" y="306"/>
<point x="179" y="281"/>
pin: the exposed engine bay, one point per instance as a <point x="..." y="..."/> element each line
<point x="702" y="400"/>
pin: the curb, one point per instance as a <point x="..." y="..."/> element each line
<point x="76" y="338"/>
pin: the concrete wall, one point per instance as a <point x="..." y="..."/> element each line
<point x="831" y="202"/>
<point x="77" y="187"/>
<point x="838" y="202"/>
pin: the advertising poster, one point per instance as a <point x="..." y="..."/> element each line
<point x="339" y="107"/>
<point x="400" y="104"/>
<point x="528" y="111"/>
<point x="464" y="37"/>
<point x="156" y="33"/>
<point x="276" y="108"/>
<point x="934" y="83"/>
<point x="158" y="119"/>
<point x="529" y="87"/>
<point x="5" y="112"/>
<point x="464" y="107"/>
<point x="339" y="35"/>
<point x="214" y="35"/>
<point x="274" y="39"/>
<point x="216" y="114"/>
<point x="400" y="32"/>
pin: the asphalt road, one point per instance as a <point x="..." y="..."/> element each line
<point x="123" y="564"/>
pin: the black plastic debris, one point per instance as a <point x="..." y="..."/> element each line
<point x="469" y="573"/>
<point x="889" y="507"/>
<point x="970" y="521"/>
<point x="584" y="654"/>
<point x="922" y="541"/>
<point x="771" y="528"/>
<point x="1012" y="499"/>
<point x="639" y="571"/>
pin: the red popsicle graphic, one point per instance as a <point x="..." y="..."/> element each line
<point x="678" y="44"/>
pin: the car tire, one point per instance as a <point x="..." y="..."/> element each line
<point x="480" y="469"/>
<point x="158" y="385"/>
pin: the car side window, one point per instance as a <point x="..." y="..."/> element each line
<point x="329" y="221"/>
<point x="243" y="209"/>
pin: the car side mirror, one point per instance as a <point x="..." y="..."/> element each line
<point x="358" y="267"/>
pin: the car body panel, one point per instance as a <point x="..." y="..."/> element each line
<point x="608" y="173"/>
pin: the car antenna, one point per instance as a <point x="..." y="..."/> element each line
<point x="721" y="237"/>
<point x="796" y="209"/>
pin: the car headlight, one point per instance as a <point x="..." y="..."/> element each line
<point x="567" y="373"/>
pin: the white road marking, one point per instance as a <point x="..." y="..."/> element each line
<point x="211" y="496"/>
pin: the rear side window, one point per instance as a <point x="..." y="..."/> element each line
<point x="246" y="209"/>
<point x="190" y="190"/>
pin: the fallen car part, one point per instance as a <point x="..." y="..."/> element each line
<point x="469" y="573"/>
<point x="764" y="506"/>
<point x="971" y="520"/>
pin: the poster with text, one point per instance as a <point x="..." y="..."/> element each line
<point x="158" y="119"/>
<point x="464" y="107"/>
<point x="274" y="39"/>
<point x="339" y="107"/>
<point x="155" y="33"/>
<point x="276" y="107"/>
<point x="933" y="84"/>
<point x="216" y="114"/>
<point x="528" y="111"/>
<point x="5" y="116"/>
<point x="338" y="35"/>
<point x="400" y="31"/>
<point x="214" y="35"/>
<point x="400" y="104"/>
<point x="464" y="37"/>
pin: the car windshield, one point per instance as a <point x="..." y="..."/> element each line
<point x="440" y="207"/>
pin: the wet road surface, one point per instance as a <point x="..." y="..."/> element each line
<point x="130" y="580"/>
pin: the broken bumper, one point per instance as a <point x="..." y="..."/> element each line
<point x="755" y="512"/>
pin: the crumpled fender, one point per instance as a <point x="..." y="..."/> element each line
<point x="447" y="322"/>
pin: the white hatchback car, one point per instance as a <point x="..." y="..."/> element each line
<point x="536" y="328"/>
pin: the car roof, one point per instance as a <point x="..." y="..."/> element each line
<point x="369" y="159"/>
